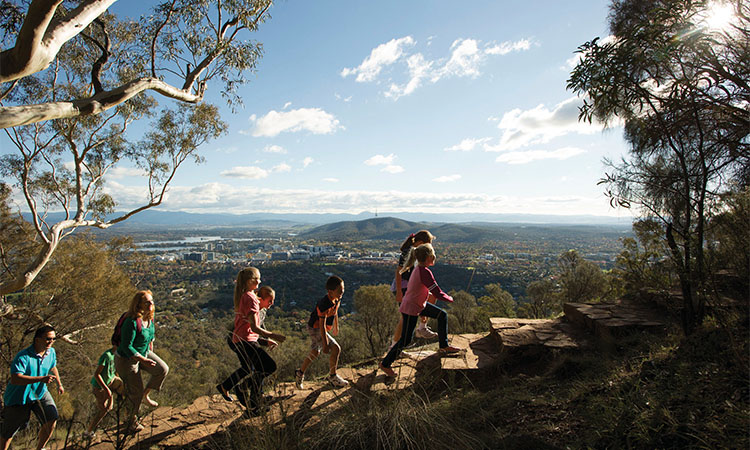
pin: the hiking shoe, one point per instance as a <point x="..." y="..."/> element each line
<point x="337" y="381"/>
<point x="224" y="393"/>
<point x="425" y="333"/>
<point x="135" y="427"/>
<point x="388" y="371"/>
<point x="299" y="378"/>
<point x="449" y="350"/>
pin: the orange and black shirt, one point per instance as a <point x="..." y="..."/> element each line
<point x="327" y="309"/>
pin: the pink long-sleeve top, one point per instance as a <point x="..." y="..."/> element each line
<point x="421" y="284"/>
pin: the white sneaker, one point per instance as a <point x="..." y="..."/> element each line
<point x="425" y="333"/>
<point x="337" y="381"/>
<point x="299" y="378"/>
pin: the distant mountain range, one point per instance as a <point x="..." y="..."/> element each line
<point x="161" y="219"/>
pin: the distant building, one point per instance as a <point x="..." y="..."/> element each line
<point x="177" y="292"/>
<point x="280" y="256"/>
<point x="209" y="256"/>
<point x="195" y="256"/>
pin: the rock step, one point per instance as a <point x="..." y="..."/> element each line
<point x="480" y="352"/>
<point x="515" y="334"/>
<point x="610" y="321"/>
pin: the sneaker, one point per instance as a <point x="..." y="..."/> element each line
<point x="299" y="378"/>
<point x="337" y="381"/>
<point x="134" y="428"/>
<point x="224" y="393"/>
<point x="449" y="350"/>
<point x="425" y="333"/>
<point x="388" y="371"/>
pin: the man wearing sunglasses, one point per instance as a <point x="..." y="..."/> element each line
<point x="32" y="369"/>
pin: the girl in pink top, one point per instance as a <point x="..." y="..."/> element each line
<point x="414" y="304"/>
<point x="247" y="329"/>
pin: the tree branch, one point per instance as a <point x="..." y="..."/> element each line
<point x="12" y="116"/>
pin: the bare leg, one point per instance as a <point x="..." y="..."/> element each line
<point x="334" y="359"/>
<point x="44" y="434"/>
<point x="5" y="443"/>
<point x="312" y="356"/>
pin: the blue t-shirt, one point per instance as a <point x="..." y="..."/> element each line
<point x="28" y="362"/>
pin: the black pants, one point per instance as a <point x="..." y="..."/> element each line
<point x="253" y="359"/>
<point x="407" y="331"/>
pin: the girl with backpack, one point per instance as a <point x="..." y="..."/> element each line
<point x="135" y="354"/>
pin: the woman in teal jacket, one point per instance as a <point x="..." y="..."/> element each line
<point x="135" y="354"/>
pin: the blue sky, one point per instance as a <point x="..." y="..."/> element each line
<point x="419" y="106"/>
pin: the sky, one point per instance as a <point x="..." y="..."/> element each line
<point x="396" y="106"/>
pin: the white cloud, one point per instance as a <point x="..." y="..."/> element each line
<point x="381" y="56"/>
<point x="307" y="161"/>
<point x="314" y="120"/>
<point x="331" y="180"/>
<point x="465" y="60"/>
<point x="122" y="172"/>
<point x="380" y="159"/>
<point x="342" y="98"/>
<point x="287" y="105"/>
<point x="226" y="150"/>
<point x="250" y="172"/>
<point x="447" y="178"/>
<point x="235" y="198"/>
<point x="540" y="125"/>
<point x="419" y="69"/>
<point x="508" y="47"/>
<point x="467" y="145"/>
<point x="274" y="149"/>
<point x="536" y="155"/>
<point x="283" y="167"/>
<point x="392" y="169"/>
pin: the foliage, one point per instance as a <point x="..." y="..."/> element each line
<point x="581" y="280"/>
<point x="681" y="89"/>
<point x="644" y="266"/>
<point x="543" y="302"/>
<point x="376" y="313"/>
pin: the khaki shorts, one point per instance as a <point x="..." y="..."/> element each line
<point x="316" y="340"/>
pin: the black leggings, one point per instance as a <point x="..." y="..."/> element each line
<point x="253" y="359"/>
<point x="407" y="331"/>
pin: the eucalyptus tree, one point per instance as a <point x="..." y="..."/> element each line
<point x="676" y="74"/>
<point x="76" y="80"/>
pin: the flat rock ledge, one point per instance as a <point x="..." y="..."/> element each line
<point x="610" y="321"/>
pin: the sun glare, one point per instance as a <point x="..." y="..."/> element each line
<point x="718" y="16"/>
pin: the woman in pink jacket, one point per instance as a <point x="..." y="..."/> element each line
<point x="414" y="304"/>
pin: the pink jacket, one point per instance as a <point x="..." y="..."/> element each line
<point x="421" y="284"/>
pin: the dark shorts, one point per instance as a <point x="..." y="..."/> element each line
<point x="16" y="417"/>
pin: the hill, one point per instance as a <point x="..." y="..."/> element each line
<point x="391" y="228"/>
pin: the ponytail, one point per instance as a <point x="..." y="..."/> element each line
<point x="422" y="236"/>
<point x="418" y="254"/>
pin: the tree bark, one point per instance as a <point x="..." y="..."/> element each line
<point x="41" y="36"/>
<point x="12" y="116"/>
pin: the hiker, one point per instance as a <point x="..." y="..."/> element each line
<point x="266" y="297"/>
<point x="401" y="280"/>
<point x="247" y="332"/>
<point x="27" y="389"/>
<point x="414" y="304"/>
<point x="135" y="354"/>
<point x="105" y="383"/>
<point x="324" y="318"/>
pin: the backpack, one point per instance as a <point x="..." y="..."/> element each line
<point x="118" y="328"/>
